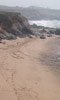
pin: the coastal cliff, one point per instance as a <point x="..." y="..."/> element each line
<point x="13" y="25"/>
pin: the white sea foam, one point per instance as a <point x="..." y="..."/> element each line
<point x="46" y="23"/>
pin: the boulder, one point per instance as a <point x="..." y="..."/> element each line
<point x="57" y="32"/>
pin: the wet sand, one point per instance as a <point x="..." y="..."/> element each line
<point x="23" y="76"/>
<point x="51" y="56"/>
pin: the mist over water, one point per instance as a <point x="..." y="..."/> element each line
<point x="46" y="23"/>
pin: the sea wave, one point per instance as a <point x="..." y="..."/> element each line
<point x="46" y="23"/>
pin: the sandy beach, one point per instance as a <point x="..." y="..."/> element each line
<point x="26" y="69"/>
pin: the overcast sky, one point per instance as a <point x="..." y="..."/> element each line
<point x="55" y="4"/>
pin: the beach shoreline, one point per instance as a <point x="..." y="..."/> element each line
<point x="51" y="56"/>
<point x="22" y="74"/>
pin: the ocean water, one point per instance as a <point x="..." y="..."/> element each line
<point x="46" y="23"/>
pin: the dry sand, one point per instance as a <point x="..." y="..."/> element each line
<point x="22" y="75"/>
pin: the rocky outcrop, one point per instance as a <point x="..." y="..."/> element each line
<point x="13" y="25"/>
<point x="57" y="32"/>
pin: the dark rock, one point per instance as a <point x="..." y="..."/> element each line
<point x="42" y="37"/>
<point x="52" y="31"/>
<point x="57" y="32"/>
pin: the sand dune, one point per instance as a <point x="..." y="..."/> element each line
<point x="22" y="75"/>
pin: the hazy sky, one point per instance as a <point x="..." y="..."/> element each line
<point x="41" y="3"/>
